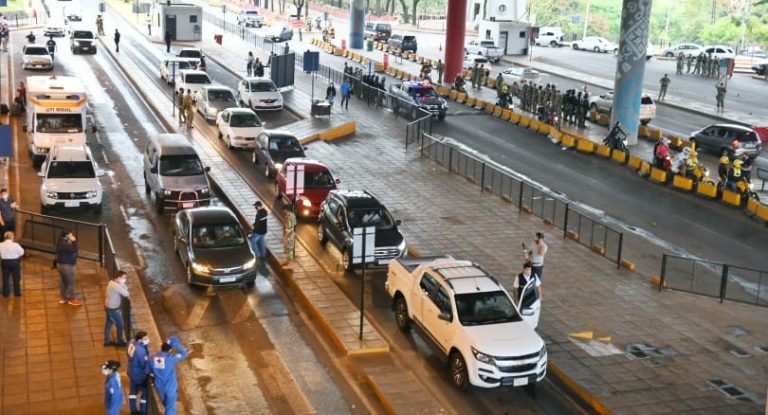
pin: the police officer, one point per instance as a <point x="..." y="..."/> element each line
<point x="697" y="68"/>
<point x="716" y="69"/>
<point x="584" y="109"/>
<point x="180" y="104"/>
<point x="162" y="367"/>
<point x="138" y="353"/>
<point x="499" y="84"/>
<point x="679" y="64"/>
<point x="689" y="62"/>
<point x="113" y="393"/>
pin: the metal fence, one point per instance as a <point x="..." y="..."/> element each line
<point x="490" y="177"/>
<point x="762" y="174"/>
<point x="42" y="233"/>
<point x="715" y="279"/>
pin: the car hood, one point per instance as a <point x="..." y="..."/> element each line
<point x="71" y="185"/>
<point x="388" y="237"/>
<point x="281" y="156"/>
<point x="428" y="100"/>
<point x="505" y="339"/>
<point x="190" y="183"/>
<point x="316" y="196"/>
<point x="229" y="257"/>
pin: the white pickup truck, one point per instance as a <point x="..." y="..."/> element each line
<point x="488" y="339"/>
<point x="484" y="48"/>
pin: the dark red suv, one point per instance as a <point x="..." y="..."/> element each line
<point x="318" y="181"/>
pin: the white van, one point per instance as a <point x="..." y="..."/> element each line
<point x="174" y="173"/>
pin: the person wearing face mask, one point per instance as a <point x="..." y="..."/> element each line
<point x="138" y="352"/>
<point x="113" y="392"/>
<point x="8" y="208"/>
<point x="523" y="279"/>
<point x="116" y="290"/>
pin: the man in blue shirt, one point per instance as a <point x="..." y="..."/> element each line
<point x="113" y="392"/>
<point x="7" y="212"/>
<point x="138" y="355"/>
<point x="346" y="91"/>
<point x="162" y="367"/>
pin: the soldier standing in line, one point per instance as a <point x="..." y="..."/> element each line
<point x="717" y="68"/>
<point x="473" y="75"/>
<point x="189" y="108"/>
<point x="689" y="62"/>
<point x="707" y="65"/>
<point x="584" y="110"/>
<point x="289" y="235"/>
<point x="679" y="69"/>
<point x="577" y="108"/>
<point x="559" y="104"/>
<point x="720" y="97"/>
<point x="526" y="94"/>
<point x="499" y="84"/>
<point x="180" y="104"/>
<point x="440" y="68"/>
<point x="697" y="69"/>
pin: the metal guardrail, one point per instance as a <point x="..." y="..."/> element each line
<point x="490" y="177"/>
<point x="714" y="279"/>
<point x="762" y="174"/>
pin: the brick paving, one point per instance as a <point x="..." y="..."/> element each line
<point x="51" y="353"/>
<point x="691" y="337"/>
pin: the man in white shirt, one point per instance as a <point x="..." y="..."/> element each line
<point x="10" y="254"/>
<point x="537" y="253"/>
<point x="116" y="290"/>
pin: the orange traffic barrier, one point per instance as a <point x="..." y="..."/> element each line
<point x="682" y="183"/>
<point x="731" y="198"/>
<point x="706" y="190"/>
<point x="603" y="150"/>
<point x="585" y="146"/>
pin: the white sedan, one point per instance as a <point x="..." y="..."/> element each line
<point x="595" y="43"/>
<point x="167" y="67"/>
<point x="521" y="76"/>
<point x="214" y="99"/>
<point x="604" y="103"/>
<point x="239" y="127"/>
<point x="471" y="60"/>
<point x="259" y="94"/>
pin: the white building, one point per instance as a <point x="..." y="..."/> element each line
<point x="503" y="21"/>
<point x="184" y="21"/>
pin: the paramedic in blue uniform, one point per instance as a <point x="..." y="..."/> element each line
<point x="113" y="392"/>
<point x="138" y="354"/>
<point x="162" y="367"/>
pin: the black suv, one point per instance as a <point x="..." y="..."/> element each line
<point x="82" y="41"/>
<point x="412" y="95"/>
<point x="344" y="210"/>
<point x="403" y="43"/>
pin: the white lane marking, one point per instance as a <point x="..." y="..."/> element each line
<point x="125" y="214"/>
<point x="104" y="154"/>
<point x="139" y="255"/>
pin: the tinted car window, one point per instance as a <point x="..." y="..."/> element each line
<point x="71" y="170"/>
<point x="220" y="96"/>
<point x="263" y="87"/>
<point x="83" y="34"/>
<point x="284" y="144"/>
<point x="197" y="79"/>
<point x="378" y="217"/>
<point x="485" y="308"/>
<point x="36" y="51"/>
<point x="646" y="101"/>
<point x="746" y="136"/>
<point x="189" y="54"/>
<point x="218" y="235"/>
<point x="182" y="165"/>
<point x="59" y="123"/>
<point x="244" y="120"/>
<point x="319" y="180"/>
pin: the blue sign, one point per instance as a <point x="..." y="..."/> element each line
<point x="311" y="61"/>
<point x="6" y="141"/>
<point x="575" y="19"/>
<point x="3" y="3"/>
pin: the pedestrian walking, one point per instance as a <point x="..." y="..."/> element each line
<point x="189" y="108"/>
<point x="138" y="353"/>
<point x="440" y="68"/>
<point x="117" y="41"/>
<point x="113" y="299"/>
<point x="259" y="231"/>
<point x="537" y="253"/>
<point x="664" y="85"/>
<point x="249" y="63"/>
<point x="180" y="104"/>
<point x="51" y="46"/>
<point x="66" y="258"/>
<point x="100" y="25"/>
<point x="10" y="261"/>
<point x="330" y="93"/>
<point x="259" y="68"/>
<point x="113" y="391"/>
<point x="168" y="39"/>
<point x="162" y="367"/>
<point x="346" y="92"/>
<point x="720" y="97"/>
<point x="8" y="208"/>
<point x="523" y="279"/>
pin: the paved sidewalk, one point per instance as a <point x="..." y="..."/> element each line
<point x="51" y="353"/>
<point x="688" y="339"/>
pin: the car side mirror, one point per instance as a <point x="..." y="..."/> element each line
<point x="153" y="169"/>
<point x="41" y="173"/>
<point x="398" y="222"/>
<point x="443" y="315"/>
<point x="100" y="173"/>
<point x="24" y="128"/>
<point x="207" y="169"/>
<point x="527" y="312"/>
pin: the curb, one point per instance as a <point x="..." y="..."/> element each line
<point x="579" y="391"/>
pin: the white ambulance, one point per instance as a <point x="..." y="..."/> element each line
<point x="56" y="114"/>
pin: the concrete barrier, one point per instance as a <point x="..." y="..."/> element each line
<point x="674" y="141"/>
<point x="461" y="97"/>
<point x="659" y="175"/>
<point x="480" y="104"/>
<point x="731" y="198"/>
<point x="497" y="111"/>
<point x="443" y="91"/>
<point x="682" y="183"/>
<point x="490" y="108"/>
<point x="706" y="190"/>
<point x="533" y="124"/>
<point x="762" y="213"/>
<point x="556" y="136"/>
<point x="506" y="114"/>
<point x="524" y="121"/>
<point x="515" y="118"/>
<point x="585" y="146"/>
<point x="568" y="141"/>
<point x="654" y="134"/>
<point x="603" y="151"/>
<point x="634" y="162"/>
<point x="544" y="128"/>
<point x="645" y="168"/>
<point x="643" y="132"/>
<point x="471" y="101"/>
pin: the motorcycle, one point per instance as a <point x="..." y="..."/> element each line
<point x="746" y="189"/>
<point x="505" y="102"/>
<point x="458" y="85"/>
<point x="616" y="139"/>
<point x="549" y="116"/>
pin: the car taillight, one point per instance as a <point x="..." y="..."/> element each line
<point x="736" y="144"/>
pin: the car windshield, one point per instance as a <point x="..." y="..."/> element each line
<point x="263" y="87"/>
<point x="218" y="95"/>
<point x="480" y="308"/>
<point x="59" y="123"/>
<point x="197" y="79"/>
<point x="82" y="34"/>
<point x="36" y="51"/>
<point x="378" y="217"/>
<point x="284" y="144"/>
<point x="319" y="180"/>
<point x="71" y="170"/>
<point x="423" y="92"/>
<point x="244" y="120"/>
<point x="181" y="165"/>
<point x="189" y="53"/>
<point x="217" y="235"/>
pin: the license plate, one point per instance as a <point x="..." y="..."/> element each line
<point x="520" y="382"/>
<point x="71" y="204"/>
<point x="228" y="279"/>
<point x="187" y="205"/>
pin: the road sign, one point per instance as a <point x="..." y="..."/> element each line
<point x="575" y="19"/>
<point x="311" y="61"/>
<point x="294" y="179"/>
<point x="363" y="245"/>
